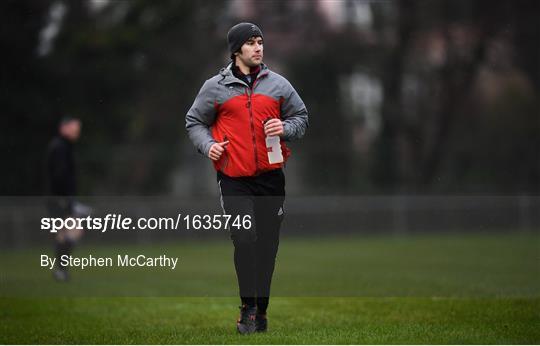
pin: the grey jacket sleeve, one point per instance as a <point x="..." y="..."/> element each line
<point x="200" y="117"/>
<point x="294" y="115"/>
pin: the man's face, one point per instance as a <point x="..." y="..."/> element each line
<point x="251" y="52"/>
<point x="71" y="130"/>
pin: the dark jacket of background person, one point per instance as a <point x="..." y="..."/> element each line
<point x="61" y="167"/>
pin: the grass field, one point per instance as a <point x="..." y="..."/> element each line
<point x="447" y="289"/>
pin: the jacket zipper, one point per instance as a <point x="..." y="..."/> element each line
<point x="253" y="137"/>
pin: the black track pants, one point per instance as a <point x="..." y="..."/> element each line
<point x="255" y="249"/>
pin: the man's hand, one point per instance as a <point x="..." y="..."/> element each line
<point x="216" y="150"/>
<point x="273" y="127"/>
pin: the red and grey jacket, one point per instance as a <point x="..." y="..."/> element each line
<point x="226" y="108"/>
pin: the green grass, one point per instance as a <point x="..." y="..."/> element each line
<point x="292" y="320"/>
<point x="446" y="289"/>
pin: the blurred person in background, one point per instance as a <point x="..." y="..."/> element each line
<point x="61" y="170"/>
<point x="241" y="119"/>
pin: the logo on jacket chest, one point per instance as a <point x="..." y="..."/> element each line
<point x="233" y="90"/>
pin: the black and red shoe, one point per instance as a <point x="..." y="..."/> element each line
<point x="261" y="323"/>
<point x="246" y="323"/>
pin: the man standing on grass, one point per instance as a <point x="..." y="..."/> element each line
<point x="240" y="120"/>
<point x="63" y="188"/>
